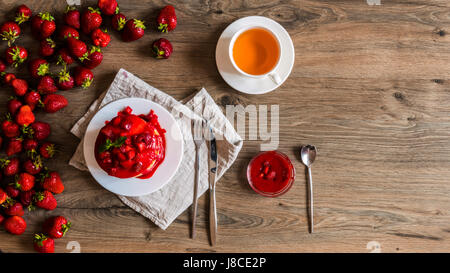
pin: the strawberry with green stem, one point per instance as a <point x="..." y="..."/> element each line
<point x="9" y="128"/>
<point x="9" y="31"/>
<point x="72" y="17"/>
<point x="45" y="199"/>
<point x="51" y="181"/>
<point x="118" y="21"/>
<point x="90" y="19"/>
<point x="33" y="165"/>
<point x="167" y="19"/>
<point x="24" y="182"/>
<point x="64" y="57"/>
<point x="23" y="14"/>
<point x="10" y="166"/>
<point x="47" y="150"/>
<point x="43" y="244"/>
<point x="65" y="80"/>
<point x="47" y="47"/>
<point x="77" y="48"/>
<point x="43" y="25"/>
<point x="100" y="37"/>
<point x="38" y="68"/>
<point x="133" y="30"/>
<point x="94" y="58"/>
<point x="56" y="226"/>
<point x="15" y="55"/>
<point x="108" y="7"/>
<point x="83" y="77"/>
<point x="162" y="48"/>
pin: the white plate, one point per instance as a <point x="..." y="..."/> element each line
<point x="247" y="84"/>
<point x="165" y="171"/>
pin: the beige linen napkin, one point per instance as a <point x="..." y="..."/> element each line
<point x="164" y="205"/>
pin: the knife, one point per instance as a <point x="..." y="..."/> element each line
<point x="212" y="187"/>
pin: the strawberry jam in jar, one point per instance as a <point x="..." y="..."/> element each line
<point x="270" y="173"/>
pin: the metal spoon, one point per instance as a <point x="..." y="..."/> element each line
<point x="308" y="155"/>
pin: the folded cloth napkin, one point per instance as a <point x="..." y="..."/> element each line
<point x="164" y="205"/>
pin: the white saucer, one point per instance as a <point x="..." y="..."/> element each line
<point x="135" y="186"/>
<point x="254" y="85"/>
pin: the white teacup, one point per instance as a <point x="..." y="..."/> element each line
<point x="272" y="74"/>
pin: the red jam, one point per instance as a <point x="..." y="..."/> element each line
<point x="131" y="145"/>
<point x="270" y="173"/>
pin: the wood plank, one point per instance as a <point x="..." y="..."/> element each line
<point x="370" y="88"/>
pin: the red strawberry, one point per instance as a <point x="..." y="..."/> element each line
<point x="65" y="80"/>
<point x="23" y="14"/>
<point x="47" y="85"/>
<point x="32" y="99"/>
<point x="11" y="191"/>
<point x="10" y="128"/>
<point x="15" y="55"/>
<point x="13" y="208"/>
<point x="2" y="219"/>
<point x="133" y="30"/>
<point x="54" y="102"/>
<point x="2" y="67"/>
<point x="118" y="21"/>
<point x="25" y="116"/>
<point x="52" y="182"/>
<point x="20" y="86"/>
<point x="90" y="20"/>
<point x="30" y="145"/>
<point x="167" y="19"/>
<point x="83" y="77"/>
<point x="43" y="244"/>
<point x="162" y="48"/>
<point x="38" y="68"/>
<point x="24" y="182"/>
<point x="47" y="150"/>
<point x="41" y="130"/>
<point x="67" y="32"/>
<point x="100" y="37"/>
<point x="26" y="198"/>
<point x="43" y="25"/>
<point x="14" y="146"/>
<point x="77" y="48"/>
<point x="10" y="166"/>
<point x="13" y="105"/>
<point x="64" y="57"/>
<point x="56" y="227"/>
<point x="33" y="166"/>
<point x="108" y="7"/>
<point x="8" y="78"/>
<point x="45" y="200"/>
<point x="15" y="225"/>
<point x="9" y="31"/>
<point x="72" y="17"/>
<point x="3" y="196"/>
<point x="94" y="58"/>
<point x="47" y="47"/>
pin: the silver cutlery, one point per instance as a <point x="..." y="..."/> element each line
<point x="212" y="187"/>
<point x="198" y="140"/>
<point x="308" y="154"/>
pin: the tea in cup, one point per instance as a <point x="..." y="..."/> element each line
<point x="256" y="52"/>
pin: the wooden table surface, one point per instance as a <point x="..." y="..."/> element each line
<point x="370" y="88"/>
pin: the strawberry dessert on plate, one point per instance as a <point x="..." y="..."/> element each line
<point x="131" y="146"/>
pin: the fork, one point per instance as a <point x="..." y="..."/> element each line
<point x="198" y="142"/>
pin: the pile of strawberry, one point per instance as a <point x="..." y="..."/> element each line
<point x="26" y="182"/>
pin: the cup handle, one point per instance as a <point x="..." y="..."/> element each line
<point x="275" y="78"/>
